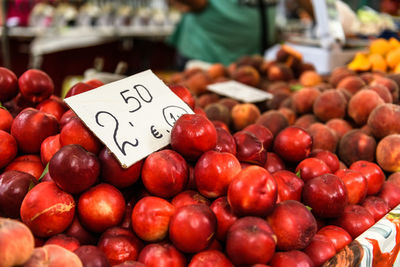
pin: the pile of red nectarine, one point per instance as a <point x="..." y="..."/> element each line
<point x="287" y="182"/>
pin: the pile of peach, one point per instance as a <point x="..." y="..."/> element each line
<point x="283" y="183"/>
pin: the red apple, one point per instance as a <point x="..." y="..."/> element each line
<point x="164" y="173"/>
<point x="291" y="258"/>
<point x="355" y="183"/>
<point x="293" y="224"/>
<point x="8" y="148"/>
<point x="192" y="228"/>
<point x="390" y="193"/>
<point x="225" y="141"/>
<point x="210" y="258"/>
<point x="31" y="127"/>
<point x="328" y="157"/>
<point x="119" y="245"/>
<point x="337" y="235"/>
<point x="101" y="207"/>
<point x="274" y="163"/>
<point x="35" y="85"/>
<point x="66" y="117"/>
<point x="225" y="217"/>
<point x="192" y="135"/>
<point x="62" y="240"/>
<point x="75" y="229"/>
<point x="6" y="120"/>
<point x="183" y="94"/>
<point x="92" y="256"/>
<point x="376" y="206"/>
<point x="262" y="133"/>
<point x="214" y="171"/>
<point x="326" y="195"/>
<point x="49" y="147"/>
<point x="290" y="186"/>
<point x="151" y="217"/>
<point x="53" y="106"/>
<point x="27" y="163"/>
<point x="250" y="240"/>
<point x="253" y="192"/>
<point x="79" y="88"/>
<point x="311" y="167"/>
<point x="372" y="172"/>
<point x="161" y="254"/>
<point x="320" y="250"/>
<point x="8" y="85"/>
<point x="14" y="185"/>
<point x="74" y="169"/>
<point x="355" y="220"/>
<point x="75" y="132"/>
<point x="249" y="148"/>
<point x="113" y="173"/>
<point x="293" y="144"/>
<point x="47" y="210"/>
<point x="189" y="197"/>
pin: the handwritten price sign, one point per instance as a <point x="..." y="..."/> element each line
<point x="133" y="117"/>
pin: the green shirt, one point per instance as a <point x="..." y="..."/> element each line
<point x="222" y="32"/>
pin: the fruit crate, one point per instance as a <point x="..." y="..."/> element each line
<point x="378" y="246"/>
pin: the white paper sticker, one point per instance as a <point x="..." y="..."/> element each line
<point x="133" y="117"/>
<point x="239" y="91"/>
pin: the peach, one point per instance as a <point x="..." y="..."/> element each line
<point x="16" y="242"/>
<point x="330" y="104"/>
<point x="279" y="72"/>
<point x="352" y="84"/>
<point x="388" y="153"/>
<point x="356" y="145"/>
<point x="216" y="70"/>
<point x="279" y="87"/>
<point x="206" y="99"/>
<point x="303" y="99"/>
<point x="384" y="120"/>
<point x="276" y="101"/>
<point x="247" y="74"/>
<point x="289" y="114"/>
<point x="53" y="256"/>
<point x="47" y="210"/>
<point x="338" y="74"/>
<point x="274" y="120"/>
<point x="392" y="86"/>
<point x="323" y="137"/>
<point x="339" y="126"/>
<point x="382" y="91"/>
<point x="244" y="114"/>
<point x="197" y="83"/>
<point x="361" y="104"/>
<point x="305" y="121"/>
<point x="310" y="78"/>
<point x="218" y="112"/>
<point x="255" y="61"/>
<point x="228" y="102"/>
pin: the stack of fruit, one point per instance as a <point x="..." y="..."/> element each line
<point x="285" y="182"/>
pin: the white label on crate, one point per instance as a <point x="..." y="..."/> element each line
<point x="133" y="117"/>
<point x="239" y="91"/>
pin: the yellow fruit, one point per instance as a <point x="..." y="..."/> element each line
<point x="379" y="46"/>
<point x="394" y="43"/>
<point x="360" y="62"/>
<point x="378" y="62"/>
<point x="393" y="58"/>
<point x="397" y="68"/>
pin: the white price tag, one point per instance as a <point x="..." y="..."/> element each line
<point x="239" y="91"/>
<point x="133" y="117"/>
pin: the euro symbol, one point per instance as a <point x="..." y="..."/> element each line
<point x="155" y="133"/>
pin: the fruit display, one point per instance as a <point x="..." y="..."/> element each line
<point x="291" y="180"/>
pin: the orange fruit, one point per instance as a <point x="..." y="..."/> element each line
<point x="393" y="57"/>
<point x="378" y="62"/>
<point x="379" y="46"/>
<point x="360" y="62"/>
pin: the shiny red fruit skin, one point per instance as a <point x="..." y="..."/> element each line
<point x="8" y="85"/>
<point x="35" y="85"/>
<point x="293" y="144"/>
